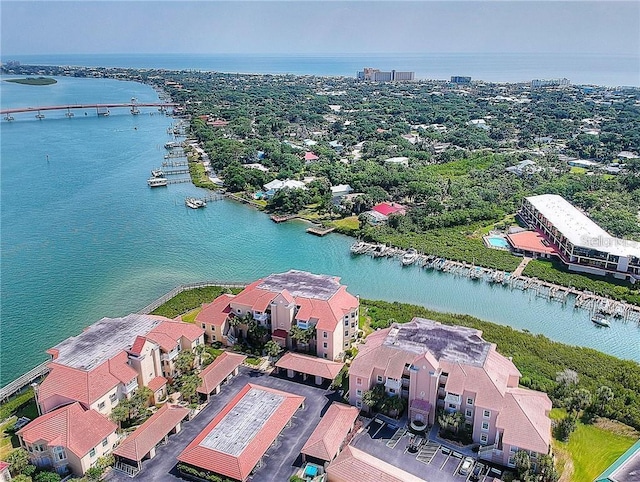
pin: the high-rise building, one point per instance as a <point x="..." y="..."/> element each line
<point x="377" y="75"/>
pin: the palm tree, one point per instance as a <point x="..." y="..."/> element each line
<point x="604" y="395"/>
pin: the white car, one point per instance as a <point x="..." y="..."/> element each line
<point x="466" y="466"/>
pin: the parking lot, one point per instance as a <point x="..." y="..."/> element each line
<point x="422" y="458"/>
<point x="279" y="460"/>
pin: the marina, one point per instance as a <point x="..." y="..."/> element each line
<point x="540" y="289"/>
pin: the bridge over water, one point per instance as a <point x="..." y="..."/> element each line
<point x="101" y="109"/>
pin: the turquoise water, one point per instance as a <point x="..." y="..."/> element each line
<point x="599" y="69"/>
<point x="497" y="241"/>
<point x="83" y="237"/>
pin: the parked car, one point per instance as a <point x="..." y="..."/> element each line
<point x="466" y="466"/>
<point x="477" y="471"/>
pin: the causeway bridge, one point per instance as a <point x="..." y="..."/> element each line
<point x="101" y="109"/>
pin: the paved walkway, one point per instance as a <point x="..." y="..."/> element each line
<point x="523" y="264"/>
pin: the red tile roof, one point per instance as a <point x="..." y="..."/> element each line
<point x="85" y="387"/>
<point x="221" y="368"/>
<point x="216" y="312"/>
<point x="531" y="241"/>
<point x="4" y="465"/>
<point x="354" y="465"/>
<point x="326" y="440"/>
<point x="71" y="427"/>
<point x="168" y="333"/>
<point x="387" y="208"/>
<point x="310" y="365"/>
<point x="157" y="383"/>
<point x="138" y="345"/>
<point x="240" y="467"/>
<point x="151" y="432"/>
<point x="310" y="156"/>
<point x="524" y="420"/>
<point x="279" y="333"/>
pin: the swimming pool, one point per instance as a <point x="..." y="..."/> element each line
<point x="496" y="242"/>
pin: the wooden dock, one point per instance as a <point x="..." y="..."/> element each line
<point x="320" y="231"/>
<point x="179" y="180"/>
<point x="282" y="218"/>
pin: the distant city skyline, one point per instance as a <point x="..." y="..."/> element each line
<point x="329" y="27"/>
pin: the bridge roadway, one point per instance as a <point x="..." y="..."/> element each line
<point x="130" y="105"/>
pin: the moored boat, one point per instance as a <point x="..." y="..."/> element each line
<point x="157" y="181"/>
<point x="195" y="203"/>
<point x="600" y="320"/>
<point x="157" y="173"/>
<point x="409" y="257"/>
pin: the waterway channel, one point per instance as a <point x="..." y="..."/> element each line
<point x="83" y="236"/>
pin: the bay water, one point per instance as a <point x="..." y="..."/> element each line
<point x="84" y="237"/>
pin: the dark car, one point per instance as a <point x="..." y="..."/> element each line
<point x="477" y="471"/>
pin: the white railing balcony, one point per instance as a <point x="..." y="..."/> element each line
<point x="405" y="382"/>
<point x="303" y="325"/>
<point x="171" y="355"/>
<point x="261" y="317"/>
<point x="130" y="387"/>
<point x="452" y="398"/>
<point x="393" y="383"/>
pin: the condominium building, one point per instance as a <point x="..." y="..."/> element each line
<point x="451" y="368"/>
<point x="68" y="439"/>
<point x="110" y="359"/>
<point x="580" y="243"/>
<point x="537" y="83"/>
<point x="377" y="75"/>
<point x="282" y="302"/>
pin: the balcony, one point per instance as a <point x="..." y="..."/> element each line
<point x="171" y="355"/>
<point x="261" y="317"/>
<point x="452" y="398"/>
<point x="392" y="383"/>
<point x="303" y="325"/>
<point x="131" y="386"/>
<point x="405" y="382"/>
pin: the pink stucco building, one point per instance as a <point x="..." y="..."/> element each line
<point x="282" y="301"/>
<point x="437" y="366"/>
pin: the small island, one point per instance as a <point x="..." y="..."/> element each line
<point x="34" y="81"/>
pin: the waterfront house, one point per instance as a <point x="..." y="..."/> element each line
<point x="281" y="302"/>
<point x="68" y="439"/>
<point x="451" y="368"/>
<point x="110" y="359"/>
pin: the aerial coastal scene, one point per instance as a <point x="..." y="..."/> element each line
<point x="320" y="241"/>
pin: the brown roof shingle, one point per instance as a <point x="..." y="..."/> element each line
<point x="326" y="440"/>
<point x="151" y="432"/>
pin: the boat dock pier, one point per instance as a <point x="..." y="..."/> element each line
<point x="319" y="230"/>
<point x="282" y="218"/>
<point x="540" y="289"/>
<point x="172" y="172"/>
<point x="175" y="164"/>
<point x="178" y="180"/>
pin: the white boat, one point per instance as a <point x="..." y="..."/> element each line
<point x="600" y="320"/>
<point x="172" y="145"/>
<point x="157" y="173"/>
<point x="157" y="181"/>
<point x="40" y="116"/>
<point x="195" y="203"/>
<point x="409" y="257"/>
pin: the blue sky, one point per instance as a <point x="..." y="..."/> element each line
<point x="84" y="27"/>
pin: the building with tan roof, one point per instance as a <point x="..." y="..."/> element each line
<point x="142" y="443"/>
<point x="110" y="359"/>
<point x="223" y="368"/>
<point x="331" y="434"/>
<point x="354" y="465"/>
<point x="282" y="301"/>
<point x="68" y="439"/>
<point x="238" y="437"/>
<point x="452" y="368"/>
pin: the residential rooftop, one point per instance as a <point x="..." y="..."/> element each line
<point x="450" y="343"/>
<point x="243" y="422"/>
<point x="102" y="341"/>
<point x="578" y="228"/>
<point x="303" y="284"/>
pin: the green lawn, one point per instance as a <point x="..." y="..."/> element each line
<point x="346" y="225"/>
<point x="591" y="449"/>
<point x="190" y="317"/>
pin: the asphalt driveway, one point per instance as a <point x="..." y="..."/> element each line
<point x="279" y="460"/>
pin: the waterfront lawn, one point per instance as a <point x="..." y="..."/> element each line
<point x="590" y="450"/>
<point x="348" y="225"/>
<point x="199" y="176"/>
<point x="191" y="299"/>
<point x="555" y="272"/>
<point x="190" y="317"/>
<point x="34" y="81"/>
<point x="23" y="405"/>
